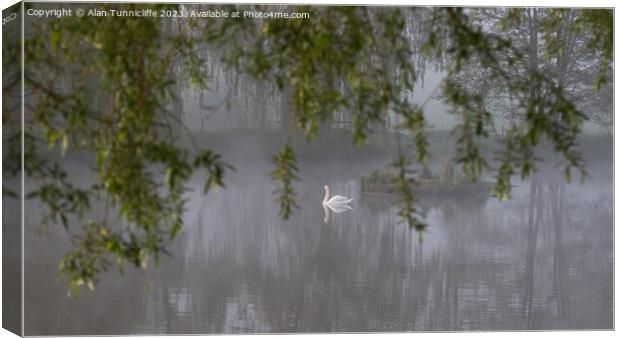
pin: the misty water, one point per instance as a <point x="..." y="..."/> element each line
<point x="542" y="260"/>
<point x="237" y="267"/>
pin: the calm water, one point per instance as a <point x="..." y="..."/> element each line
<point x="482" y="265"/>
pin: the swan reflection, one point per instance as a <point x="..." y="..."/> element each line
<point x="337" y="204"/>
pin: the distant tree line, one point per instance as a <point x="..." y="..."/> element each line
<point x="111" y="88"/>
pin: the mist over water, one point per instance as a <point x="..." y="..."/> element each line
<point x="542" y="260"/>
<point x="236" y="267"/>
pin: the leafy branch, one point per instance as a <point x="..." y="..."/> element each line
<point x="284" y="174"/>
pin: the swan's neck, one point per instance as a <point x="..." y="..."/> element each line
<point x="326" y="195"/>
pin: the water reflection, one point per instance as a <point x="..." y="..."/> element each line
<point x="335" y="208"/>
<point x="540" y="261"/>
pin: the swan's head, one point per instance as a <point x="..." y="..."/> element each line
<point x="326" y="187"/>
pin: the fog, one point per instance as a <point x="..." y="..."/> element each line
<point x="542" y="260"/>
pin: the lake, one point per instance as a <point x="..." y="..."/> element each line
<point x="524" y="264"/>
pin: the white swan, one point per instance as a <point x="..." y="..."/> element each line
<point x="335" y="201"/>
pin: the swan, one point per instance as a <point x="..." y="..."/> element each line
<point x="335" y="201"/>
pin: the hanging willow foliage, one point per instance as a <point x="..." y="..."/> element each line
<point x="106" y="87"/>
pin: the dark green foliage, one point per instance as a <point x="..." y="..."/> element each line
<point x="545" y="109"/>
<point x="60" y="197"/>
<point x="601" y="41"/>
<point x="284" y="174"/>
<point x="107" y="88"/>
<point x="97" y="246"/>
<point x="403" y="183"/>
<point x="214" y="169"/>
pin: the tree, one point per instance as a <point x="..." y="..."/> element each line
<point x="107" y="88"/>
<point x="552" y="41"/>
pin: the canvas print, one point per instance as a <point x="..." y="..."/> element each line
<point x="222" y="168"/>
